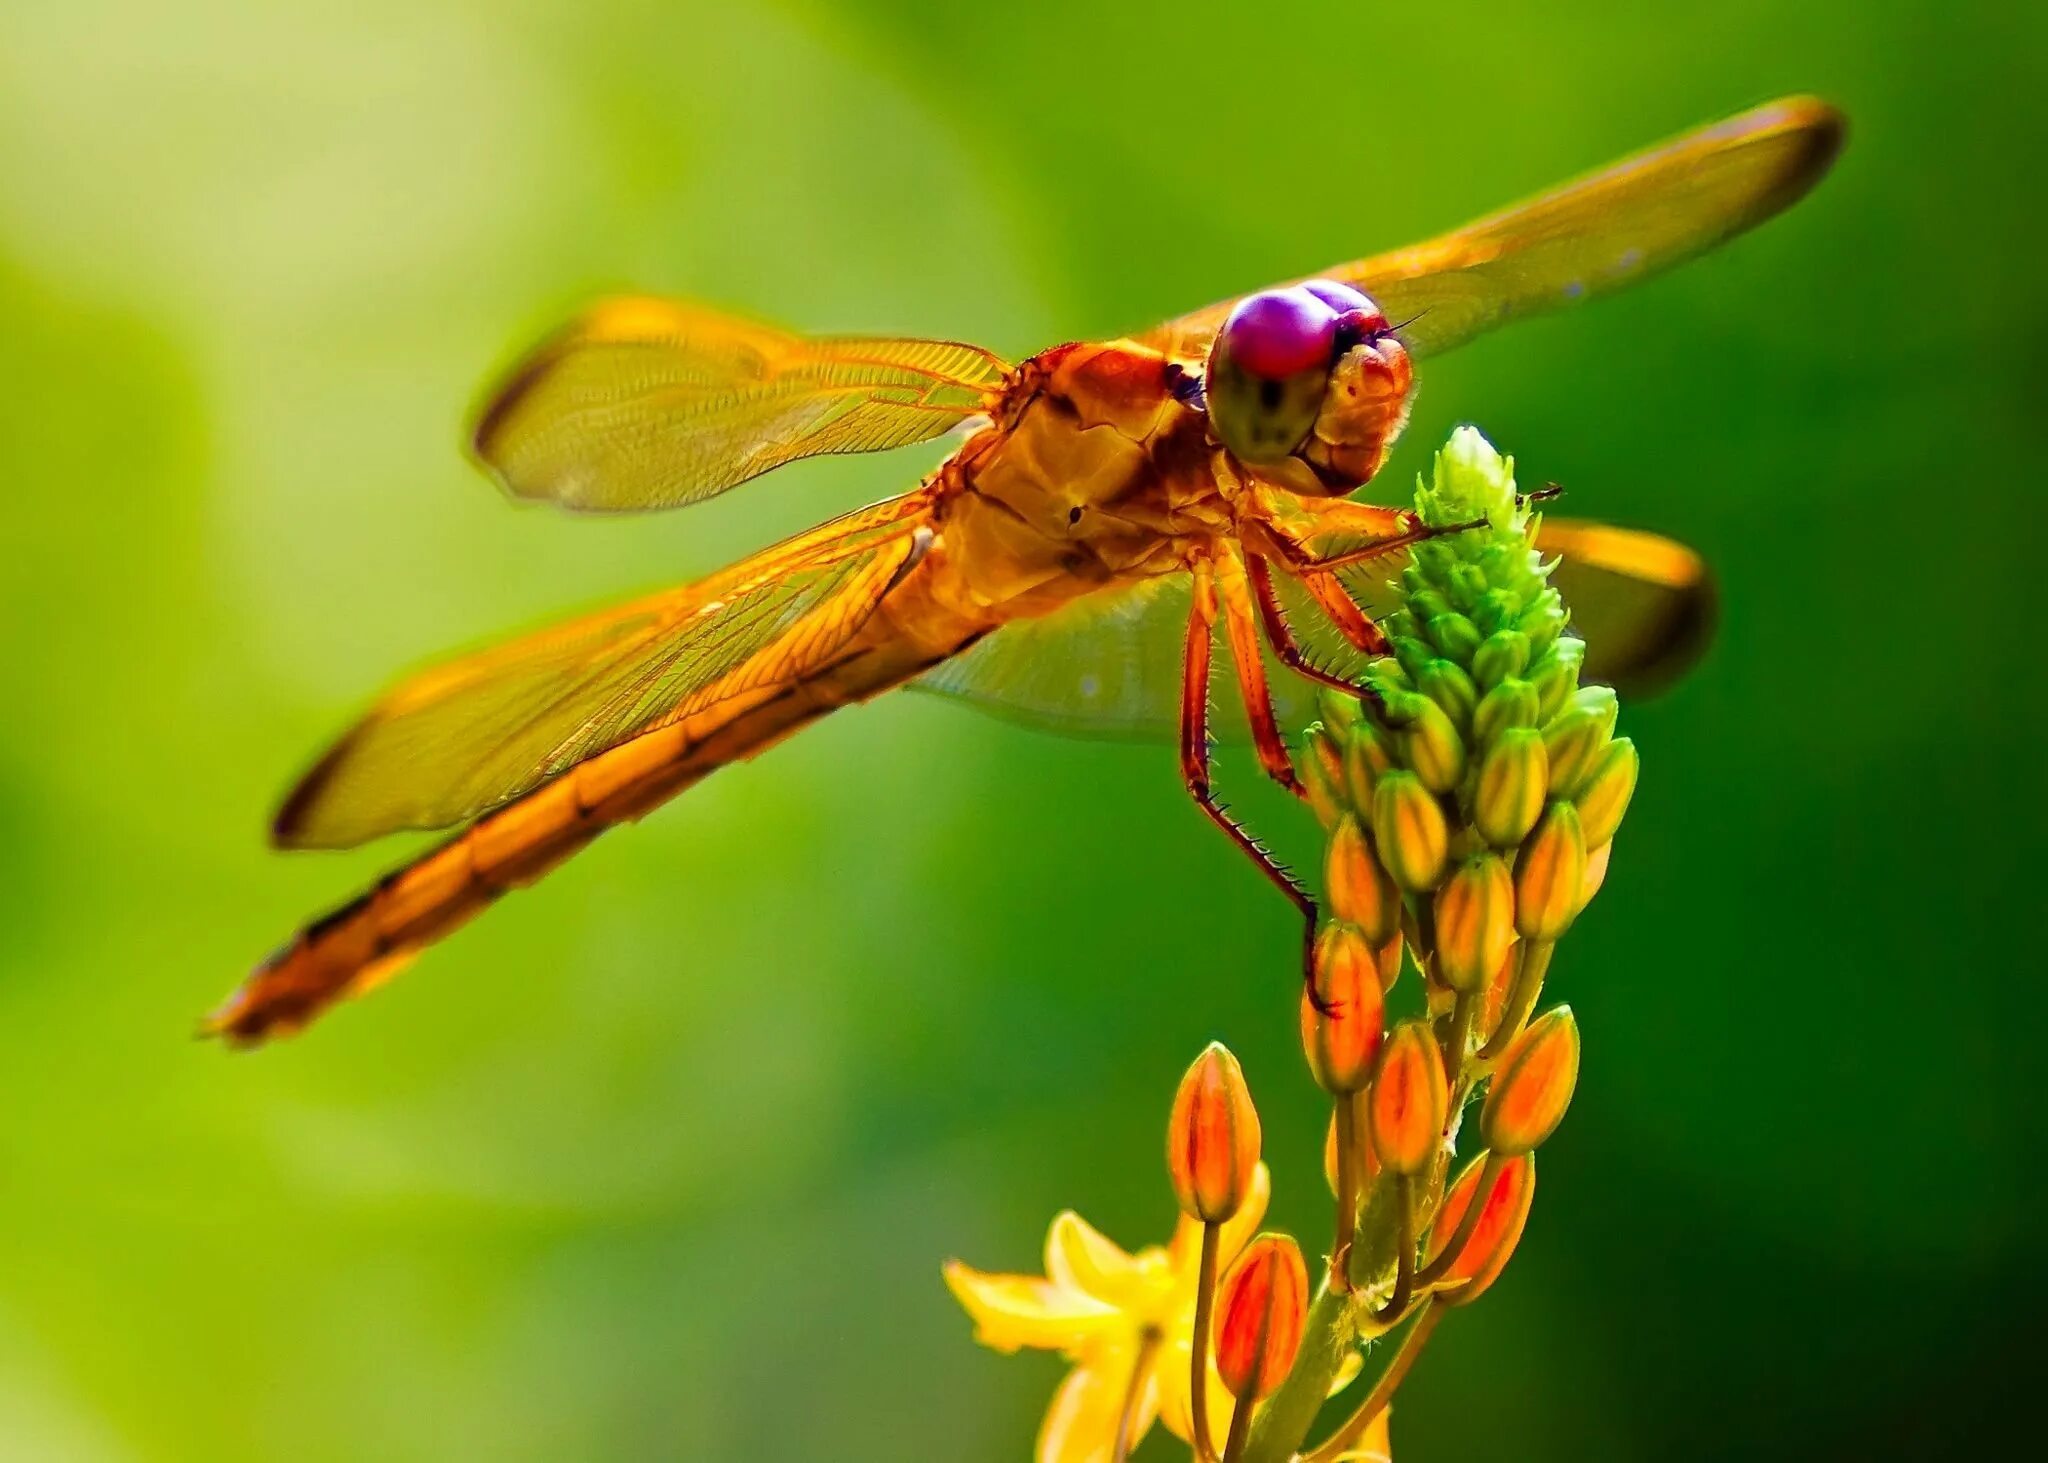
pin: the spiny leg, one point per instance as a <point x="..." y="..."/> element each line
<point x="1240" y="628"/>
<point x="1280" y="635"/>
<point x="1194" y="759"/>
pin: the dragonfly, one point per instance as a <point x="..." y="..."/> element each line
<point x="1112" y="514"/>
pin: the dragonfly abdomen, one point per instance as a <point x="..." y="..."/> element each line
<point x="370" y="939"/>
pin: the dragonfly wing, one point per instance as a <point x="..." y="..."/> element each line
<point x="646" y="403"/>
<point x="1645" y="605"/>
<point x="1107" y="666"/>
<point x="1602" y="233"/>
<point x="466" y="737"/>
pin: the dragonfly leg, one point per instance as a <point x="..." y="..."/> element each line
<point x="1241" y="629"/>
<point x="1194" y="758"/>
<point x="1343" y="612"/>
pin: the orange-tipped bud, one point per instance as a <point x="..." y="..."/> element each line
<point x="1409" y="1101"/>
<point x="1366" y="760"/>
<point x="1499" y="986"/>
<point x="1475" y="922"/>
<point x="1212" y="1139"/>
<point x="1322" y="770"/>
<point x="1341" y="1011"/>
<point x="1361" y="892"/>
<point x="1533" y="1085"/>
<point x="1493" y="1239"/>
<point x="1409" y="831"/>
<point x="1368" y="1161"/>
<point x="1388" y="959"/>
<point x="1596" y="873"/>
<point x="1260" y="1312"/>
<point x="1550" y="874"/>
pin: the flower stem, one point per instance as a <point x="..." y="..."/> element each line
<point x="1198" y="1366"/>
<point x="1240" y="1429"/>
<point x="1459" y="1037"/>
<point x="1467" y="1222"/>
<point x="1342" y="1441"/>
<point x="1532" y="960"/>
<point x="1347" y="1194"/>
<point x="1404" y="1256"/>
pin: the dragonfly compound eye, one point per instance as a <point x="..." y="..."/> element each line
<point x="1268" y="370"/>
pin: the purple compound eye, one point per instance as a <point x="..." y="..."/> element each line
<point x="1357" y="315"/>
<point x="1281" y="333"/>
<point x="1340" y="297"/>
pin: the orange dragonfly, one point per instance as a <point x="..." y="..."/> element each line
<point x="1110" y="507"/>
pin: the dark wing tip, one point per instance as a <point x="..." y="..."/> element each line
<point x="1822" y="131"/>
<point x="294" y="826"/>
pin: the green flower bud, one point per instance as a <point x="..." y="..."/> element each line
<point x="1603" y="797"/>
<point x="1361" y="893"/>
<point x="1514" y="778"/>
<point x="1475" y="922"/>
<point x="1426" y="605"/>
<point x="1454" y="635"/>
<point x="1550" y="873"/>
<point x="1510" y="704"/>
<point x="1412" y="654"/>
<point x="1340" y="713"/>
<point x="1428" y="741"/>
<point x="1503" y="654"/>
<point x="1497" y="610"/>
<point x="1578" y="736"/>
<point x="1409" y="831"/>
<point x="1446" y="683"/>
<point x="1556" y="676"/>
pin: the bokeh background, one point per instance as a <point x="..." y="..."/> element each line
<point x="660" y="1159"/>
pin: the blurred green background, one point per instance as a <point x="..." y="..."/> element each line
<point x="660" y="1159"/>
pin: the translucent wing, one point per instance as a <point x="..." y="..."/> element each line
<point x="1107" y="666"/>
<point x="465" y="737"/>
<point x="1110" y="665"/>
<point x="1645" y="605"/>
<point x="648" y="403"/>
<point x="1601" y="233"/>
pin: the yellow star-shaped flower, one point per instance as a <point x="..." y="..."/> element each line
<point x="1126" y="1321"/>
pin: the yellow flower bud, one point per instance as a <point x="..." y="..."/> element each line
<point x="1409" y="1100"/>
<point x="1578" y="735"/>
<point x="1212" y="1138"/>
<point x="1322" y="772"/>
<point x="1341" y="1011"/>
<point x="1603" y="796"/>
<point x="1514" y="777"/>
<point x="1409" y="831"/>
<point x="1366" y="760"/>
<point x="1596" y="872"/>
<point x="1429" y="741"/>
<point x="1549" y="873"/>
<point x="1475" y="922"/>
<point x="1261" y="1309"/>
<point x="1556" y="676"/>
<point x="1361" y="891"/>
<point x="1492" y="1241"/>
<point x="1512" y="703"/>
<point x="1533" y="1085"/>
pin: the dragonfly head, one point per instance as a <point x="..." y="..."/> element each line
<point x="1310" y="384"/>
